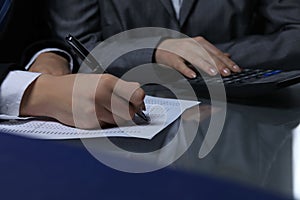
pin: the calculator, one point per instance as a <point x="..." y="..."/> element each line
<point x="248" y="82"/>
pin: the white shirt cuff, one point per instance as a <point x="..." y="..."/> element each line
<point x="48" y="50"/>
<point x="11" y="92"/>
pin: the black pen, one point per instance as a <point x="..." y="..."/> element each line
<point x="84" y="54"/>
<point x="143" y="116"/>
<point x="92" y="63"/>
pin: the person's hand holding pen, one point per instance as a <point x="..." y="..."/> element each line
<point x="86" y="101"/>
<point x="95" y="100"/>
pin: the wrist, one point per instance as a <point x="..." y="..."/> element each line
<point x="51" y="57"/>
<point x="39" y="97"/>
<point x="51" y="63"/>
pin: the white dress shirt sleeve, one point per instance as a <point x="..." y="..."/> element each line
<point x="11" y="92"/>
<point x="49" y="50"/>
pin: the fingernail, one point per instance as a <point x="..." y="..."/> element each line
<point x="226" y="71"/>
<point x="213" y="71"/>
<point x="236" y="67"/>
<point x="193" y="75"/>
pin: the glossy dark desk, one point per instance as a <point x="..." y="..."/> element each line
<point x="254" y="151"/>
<point x="256" y="144"/>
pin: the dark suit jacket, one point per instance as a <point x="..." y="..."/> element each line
<point x="257" y="33"/>
<point x="26" y="31"/>
<point x="25" y="25"/>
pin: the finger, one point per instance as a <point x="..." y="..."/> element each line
<point x="180" y="66"/>
<point x="188" y="49"/>
<point x="137" y="99"/>
<point x="204" y="66"/>
<point x="225" y="59"/>
<point x="172" y="60"/>
<point x="229" y="63"/>
<point x="125" y="89"/>
<point x="199" y="57"/>
<point x="227" y="54"/>
<point x="106" y="117"/>
<point x="115" y="110"/>
<point x="208" y="62"/>
<point x="195" y="54"/>
<point x="214" y="50"/>
<point x="131" y="93"/>
<point x="122" y="108"/>
<point x="121" y="98"/>
<point x="221" y="66"/>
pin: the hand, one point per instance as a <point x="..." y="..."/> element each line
<point x="97" y="101"/>
<point x="197" y="51"/>
<point x="50" y="63"/>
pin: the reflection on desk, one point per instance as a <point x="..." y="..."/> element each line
<point x="255" y="147"/>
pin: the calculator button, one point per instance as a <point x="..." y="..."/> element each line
<point x="271" y="73"/>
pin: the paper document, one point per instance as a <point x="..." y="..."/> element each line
<point x="162" y="112"/>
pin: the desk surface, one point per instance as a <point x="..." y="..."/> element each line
<point x="255" y="147"/>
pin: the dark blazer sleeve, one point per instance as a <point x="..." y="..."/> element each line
<point x="277" y="44"/>
<point x="25" y="25"/>
<point x="32" y="49"/>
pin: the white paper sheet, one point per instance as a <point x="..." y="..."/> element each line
<point x="162" y="112"/>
